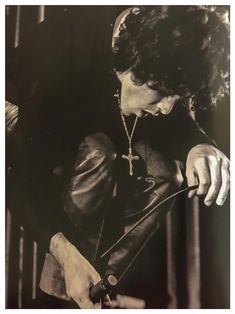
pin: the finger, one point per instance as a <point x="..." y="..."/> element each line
<point x="203" y="173"/>
<point x="223" y="193"/>
<point x="97" y="305"/>
<point x="192" y="180"/>
<point x="216" y="180"/>
<point x="113" y="305"/>
<point x="87" y="304"/>
<point x="81" y="297"/>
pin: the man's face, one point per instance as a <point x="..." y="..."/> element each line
<point x="141" y="100"/>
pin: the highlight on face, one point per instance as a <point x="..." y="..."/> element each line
<point x="142" y="100"/>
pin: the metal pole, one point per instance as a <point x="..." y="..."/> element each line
<point x="17" y="29"/>
<point x="41" y="14"/>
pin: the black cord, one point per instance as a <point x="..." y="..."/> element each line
<point x="112" y="247"/>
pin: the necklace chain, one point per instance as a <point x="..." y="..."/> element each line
<point x="129" y="135"/>
<point x="130" y="157"/>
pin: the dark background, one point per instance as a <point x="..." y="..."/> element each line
<point x="54" y="63"/>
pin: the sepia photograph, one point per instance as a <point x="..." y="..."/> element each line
<point x="117" y="156"/>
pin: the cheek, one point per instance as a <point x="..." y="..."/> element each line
<point x="130" y="100"/>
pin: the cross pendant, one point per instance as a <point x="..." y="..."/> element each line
<point x="130" y="158"/>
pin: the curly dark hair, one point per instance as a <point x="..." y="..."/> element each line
<point x="179" y="49"/>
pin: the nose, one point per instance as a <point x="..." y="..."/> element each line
<point x="165" y="108"/>
<point x="166" y="104"/>
<point x="154" y="112"/>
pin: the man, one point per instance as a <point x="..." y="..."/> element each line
<point x="145" y="157"/>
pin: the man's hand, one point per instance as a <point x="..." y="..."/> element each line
<point x="78" y="272"/>
<point x="210" y="168"/>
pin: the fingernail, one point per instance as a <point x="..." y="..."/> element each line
<point x="220" y="202"/>
<point x="208" y="202"/>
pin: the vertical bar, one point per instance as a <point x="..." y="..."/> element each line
<point x="28" y="21"/>
<point x="27" y="275"/>
<point x="7" y="10"/>
<point x="41" y="14"/>
<point x="193" y="247"/>
<point x="193" y="255"/>
<point x="8" y="245"/>
<point x="39" y="265"/>
<point x="10" y="28"/>
<point x="21" y="261"/>
<point x="34" y="279"/>
<point x="171" y="263"/>
<point x="13" y="276"/>
<point x="17" y="28"/>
